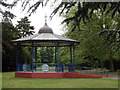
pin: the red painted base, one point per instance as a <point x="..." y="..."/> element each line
<point x="55" y="75"/>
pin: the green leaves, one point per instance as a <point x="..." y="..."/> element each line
<point x="85" y="10"/>
<point x="9" y="33"/>
<point x="34" y="7"/>
<point x="46" y="54"/>
<point x="101" y="48"/>
<point x="24" y="27"/>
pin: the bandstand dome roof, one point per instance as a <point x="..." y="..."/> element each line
<point x="45" y="29"/>
<point x="45" y="37"/>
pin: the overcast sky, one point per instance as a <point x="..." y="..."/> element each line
<point x="37" y="19"/>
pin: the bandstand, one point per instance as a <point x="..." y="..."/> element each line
<point x="46" y="38"/>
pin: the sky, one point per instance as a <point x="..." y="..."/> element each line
<point x="38" y="18"/>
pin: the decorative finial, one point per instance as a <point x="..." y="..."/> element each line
<point x="45" y="19"/>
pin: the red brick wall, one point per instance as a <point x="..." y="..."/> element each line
<point x="55" y="75"/>
<point x="23" y="74"/>
<point x="80" y="75"/>
<point x="47" y="75"/>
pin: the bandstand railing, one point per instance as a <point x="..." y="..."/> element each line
<point x="37" y="67"/>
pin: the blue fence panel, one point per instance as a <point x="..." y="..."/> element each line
<point x="71" y="68"/>
<point x="59" y="67"/>
<point x="24" y="67"/>
<point x="20" y="67"/>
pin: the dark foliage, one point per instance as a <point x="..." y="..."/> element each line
<point x="24" y="27"/>
<point x="7" y="13"/>
<point x="85" y="10"/>
<point x="9" y="33"/>
<point x="8" y="49"/>
<point x="47" y="54"/>
<point x="111" y="37"/>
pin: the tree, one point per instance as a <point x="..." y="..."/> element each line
<point x="84" y="9"/>
<point x="7" y="13"/>
<point x="94" y="51"/>
<point x="46" y="54"/>
<point x="9" y="32"/>
<point x="24" y="27"/>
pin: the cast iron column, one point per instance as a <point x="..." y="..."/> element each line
<point x="17" y="58"/>
<point x="57" y="58"/>
<point x="71" y="55"/>
<point x="72" y="58"/>
<point x="74" y="62"/>
<point x="32" y="59"/>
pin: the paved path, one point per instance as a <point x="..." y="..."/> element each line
<point x="112" y="76"/>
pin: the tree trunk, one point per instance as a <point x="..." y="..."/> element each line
<point x="111" y="66"/>
<point x="102" y="65"/>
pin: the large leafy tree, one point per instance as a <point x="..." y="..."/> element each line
<point x="84" y="9"/>
<point x="92" y="52"/>
<point x="24" y="27"/>
<point x="9" y="32"/>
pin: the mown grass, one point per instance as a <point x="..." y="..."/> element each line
<point x="9" y="81"/>
<point x="116" y="73"/>
<point x="0" y="81"/>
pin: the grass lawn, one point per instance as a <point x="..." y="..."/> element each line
<point x="116" y="73"/>
<point x="9" y="81"/>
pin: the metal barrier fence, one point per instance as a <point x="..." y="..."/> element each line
<point x="47" y="67"/>
<point x="38" y="67"/>
<point x="92" y="70"/>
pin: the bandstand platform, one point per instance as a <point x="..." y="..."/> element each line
<point x="55" y="75"/>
